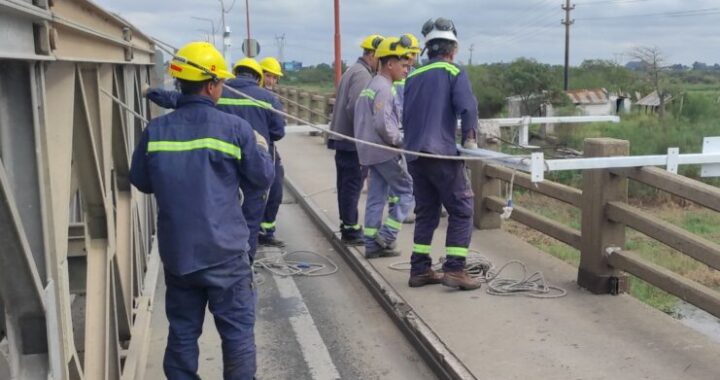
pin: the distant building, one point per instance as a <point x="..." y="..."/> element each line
<point x="651" y="103"/>
<point x="599" y="102"/>
<point x="292" y="66"/>
<point x="537" y="105"/>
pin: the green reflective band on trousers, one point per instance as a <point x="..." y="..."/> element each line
<point x="368" y="93"/>
<point x="243" y="102"/>
<point x="392" y="223"/>
<point x="452" y="69"/>
<point x="353" y="227"/>
<point x="184" y="146"/>
<point x="370" y="232"/>
<point x="393" y="199"/>
<point x="456" y="251"/>
<point x="422" y="249"/>
<point x="267" y="226"/>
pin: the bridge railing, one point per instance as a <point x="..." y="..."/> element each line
<point x="605" y="214"/>
<point x="314" y="107"/>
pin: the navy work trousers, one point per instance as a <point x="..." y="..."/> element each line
<point x="228" y="291"/>
<point x="435" y="183"/>
<point x="253" y="207"/>
<point x="349" y="186"/>
<point x="275" y="197"/>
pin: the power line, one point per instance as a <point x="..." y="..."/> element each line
<point x="688" y="13"/>
<point x="567" y="22"/>
<point x="611" y="2"/>
<point x="521" y="24"/>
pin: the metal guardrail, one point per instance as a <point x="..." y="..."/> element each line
<point x="605" y="215"/>
<point x="76" y="271"/>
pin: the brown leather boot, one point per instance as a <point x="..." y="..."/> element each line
<point x="461" y="280"/>
<point x="428" y="278"/>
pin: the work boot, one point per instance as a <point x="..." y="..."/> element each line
<point x="380" y="252"/>
<point x="270" y="241"/>
<point x="351" y="237"/>
<point x="410" y="219"/>
<point x="461" y="280"/>
<point x="381" y="242"/>
<point x="428" y="278"/>
<point x="352" y="240"/>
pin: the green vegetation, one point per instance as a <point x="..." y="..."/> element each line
<point x="319" y="79"/>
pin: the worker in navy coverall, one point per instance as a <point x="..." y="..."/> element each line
<point x="263" y="120"/>
<point x="193" y="160"/>
<point x="436" y="95"/>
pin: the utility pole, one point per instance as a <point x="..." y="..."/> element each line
<point x="226" y="33"/>
<point x="247" y="18"/>
<point x="472" y="47"/>
<point x="280" y="42"/>
<point x="338" y="61"/>
<point x="567" y="22"/>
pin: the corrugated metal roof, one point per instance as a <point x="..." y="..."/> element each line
<point x="652" y="100"/>
<point x="588" y="96"/>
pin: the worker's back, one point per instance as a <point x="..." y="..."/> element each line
<point x="259" y="114"/>
<point x="193" y="160"/>
<point x="435" y="96"/>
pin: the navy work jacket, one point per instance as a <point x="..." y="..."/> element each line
<point x="436" y="95"/>
<point x="259" y="114"/>
<point x="194" y="160"/>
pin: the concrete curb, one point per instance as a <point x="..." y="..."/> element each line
<point x="430" y="346"/>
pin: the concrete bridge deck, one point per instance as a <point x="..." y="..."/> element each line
<point x="580" y="336"/>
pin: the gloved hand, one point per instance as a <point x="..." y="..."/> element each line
<point x="261" y="142"/>
<point x="144" y="89"/>
<point x="470" y="144"/>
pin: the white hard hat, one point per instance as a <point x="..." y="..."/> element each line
<point x="441" y="34"/>
<point x="440" y="28"/>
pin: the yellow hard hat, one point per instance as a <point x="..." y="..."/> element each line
<point x="371" y="42"/>
<point x="414" y="43"/>
<point x="394" y="46"/>
<point x="197" y="62"/>
<point x="252" y="64"/>
<point x="271" y="65"/>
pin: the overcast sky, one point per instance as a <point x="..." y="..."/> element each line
<point x="500" y="30"/>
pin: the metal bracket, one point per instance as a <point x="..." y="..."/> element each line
<point x="673" y="158"/>
<point x="537" y="166"/>
<point x="711" y="145"/>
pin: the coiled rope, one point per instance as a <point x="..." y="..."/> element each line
<point x="478" y="266"/>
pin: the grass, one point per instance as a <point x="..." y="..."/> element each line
<point x="700" y="221"/>
<point x="318" y="88"/>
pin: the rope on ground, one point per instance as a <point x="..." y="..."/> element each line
<point x="479" y="266"/>
<point x="282" y="265"/>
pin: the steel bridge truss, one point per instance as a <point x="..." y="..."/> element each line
<point x="77" y="269"/>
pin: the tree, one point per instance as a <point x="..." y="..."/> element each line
<point x="653" y="61"/>
<point x="531" y="81"/>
